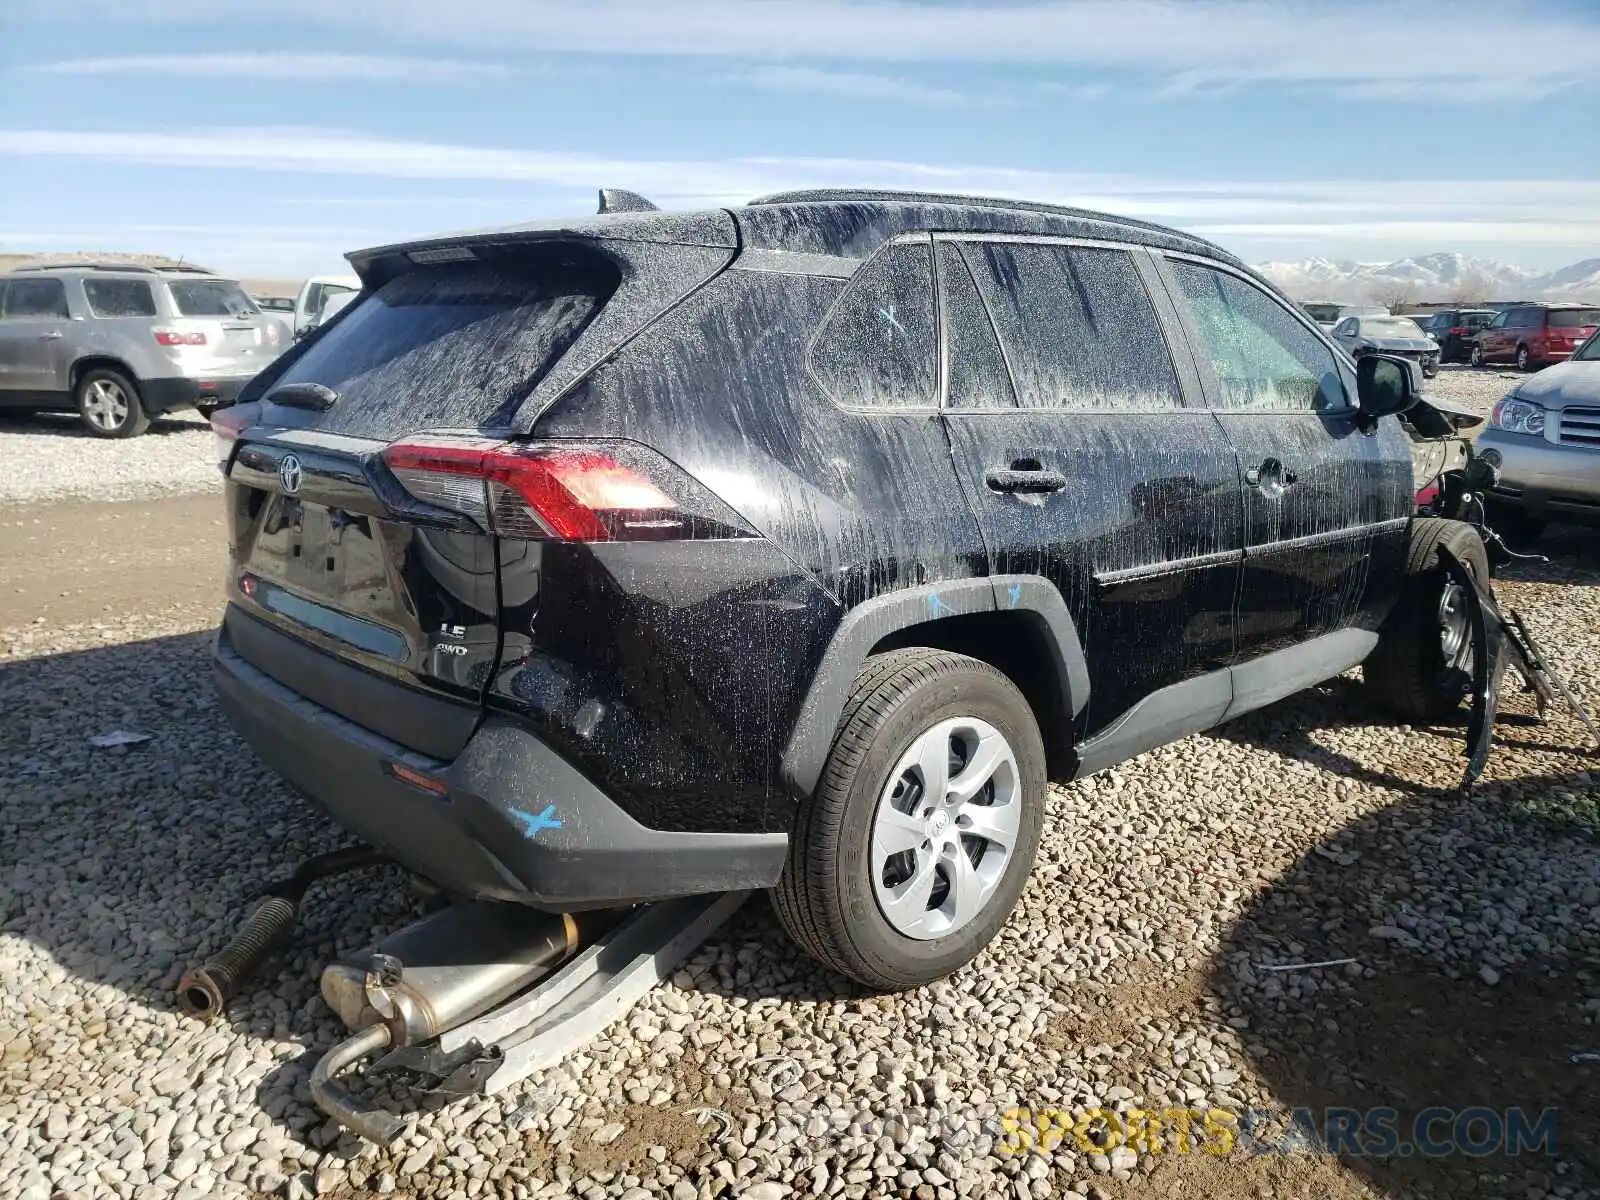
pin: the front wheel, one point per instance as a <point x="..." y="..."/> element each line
<point x="109" y="404"/>
<point x="1421" y="669"/>
<point x="1524" y="361"/>
<point x="1476" y="357"/>
<point x="912" y="851"/>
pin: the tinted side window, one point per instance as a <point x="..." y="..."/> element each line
<point x="36" y="298"/>
<point x="119" y="298"/>
<point x="1262" y="356"/>
<point x="876" y="347"/>
<point x="1077" y="327"/>
<point x="975" y="370"/>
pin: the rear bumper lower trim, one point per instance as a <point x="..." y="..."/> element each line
<point x="517" y="822"/>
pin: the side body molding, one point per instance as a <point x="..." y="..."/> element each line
<point x="1032" y="597"/>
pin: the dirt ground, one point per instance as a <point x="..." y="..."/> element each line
<point x="76" y="563"/>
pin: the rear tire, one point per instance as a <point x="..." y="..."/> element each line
<point x="884" y="848"/>
<point x="109" y="404"/>
<point x="1524" y="360"/>
<point x="1424" y="652"/>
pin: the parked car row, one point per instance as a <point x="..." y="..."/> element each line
<point x="1529" y="335"/>
<point x="120" y="343"/>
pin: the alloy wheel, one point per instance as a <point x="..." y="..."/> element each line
<point x="106" y="405"/>
<point x="945" y="829"/>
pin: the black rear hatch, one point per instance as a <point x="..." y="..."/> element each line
<point x="328" y="549"/>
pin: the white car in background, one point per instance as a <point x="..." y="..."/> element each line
<point x="314" y="296"/>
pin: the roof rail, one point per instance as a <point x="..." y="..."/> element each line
<point x="844" y="195"/>
<point x="92" y="265"/>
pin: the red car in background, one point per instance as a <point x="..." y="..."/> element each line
<point x="1535" y="335"/>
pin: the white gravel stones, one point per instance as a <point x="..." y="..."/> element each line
<point x="1477" y="389"/>
<point x="1129" y="978"/>
<point x="51" y="457"/>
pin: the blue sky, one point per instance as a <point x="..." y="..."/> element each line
<point x="267" y="137"/>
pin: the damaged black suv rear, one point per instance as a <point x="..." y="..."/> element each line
<point x="797" y="546"/>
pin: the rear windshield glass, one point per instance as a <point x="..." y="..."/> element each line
<point x="119" y="297"/>
<point x="1574" y="318"/>
<point x="455" y="346"/>
<point x="211" y="298"/>
<point x="1325" y="313"/>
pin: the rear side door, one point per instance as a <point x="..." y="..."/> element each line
<point x="1088" y="458"/>
<point x="1492" y="338"/>
<point x="34" y="326"/>
<point x="1327" y="505"/>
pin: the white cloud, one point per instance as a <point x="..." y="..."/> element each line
<point x="1197" y="45"/>
<point x="283" y="65"/>
<point x="854" y="84"/>
<point x="1430" y="211"/>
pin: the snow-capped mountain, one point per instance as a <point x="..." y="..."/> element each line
<point x="1580" y="281"/>
<point x="1443" y="276"/>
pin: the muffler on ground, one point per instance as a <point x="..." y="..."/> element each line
<point x="431" y="977"/>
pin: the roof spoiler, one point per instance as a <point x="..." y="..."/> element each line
<point x="615" y="200"/>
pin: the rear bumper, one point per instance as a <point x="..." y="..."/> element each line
<point x="164" y="395"/>
<point x="515" y="821"/>
<point x="1548" y="481"/>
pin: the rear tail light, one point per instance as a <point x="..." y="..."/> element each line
<point x="226" y="426"/>
<point x="597" y="491"/>
<point x="1460" y="330"/>
<point x="179" y="337"/>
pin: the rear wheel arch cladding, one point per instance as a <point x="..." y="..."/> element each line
<point x="877" y="622"/>
<point x="98" y="362"/>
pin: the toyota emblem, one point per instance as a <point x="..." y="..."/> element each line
<point x="290" y="475"/>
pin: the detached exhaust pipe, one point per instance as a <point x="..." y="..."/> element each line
<point x="205" y="991"/>
<point x="427" y="979"/>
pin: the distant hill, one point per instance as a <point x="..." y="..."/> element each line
<point x="1444" y="276"/>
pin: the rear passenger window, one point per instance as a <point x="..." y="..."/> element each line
<point x="119" y="298"/>
<point x="36" y="298"/>
<point x="876" y="347"/>
<point x="1263" y="357"/>
<point x="976" y="372"/>
<point x="1076" y="325"/>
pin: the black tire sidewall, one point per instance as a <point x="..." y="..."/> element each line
<point x="976" y="693"/>
<point x="137" y="420"/>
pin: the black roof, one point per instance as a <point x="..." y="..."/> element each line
<point x="852" y="222"/>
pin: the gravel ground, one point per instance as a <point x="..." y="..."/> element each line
<point x="1135" y="973"/>
<point x="51" y="457"/>
<point x="1477" y="389"/>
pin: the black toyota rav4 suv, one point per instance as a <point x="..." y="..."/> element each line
<point x="797" y="546"/>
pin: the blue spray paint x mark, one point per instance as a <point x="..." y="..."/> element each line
<point x="936" y="605"/>
<point x="531" y="825"/>
<point x="1015" y="594"/>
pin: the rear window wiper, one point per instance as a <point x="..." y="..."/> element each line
<point x="314" y="396"/>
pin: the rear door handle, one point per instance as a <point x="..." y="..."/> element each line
<point x="1028" y="481"/>
<point x="1270" y="477"/>
<point x="54" y="335"/>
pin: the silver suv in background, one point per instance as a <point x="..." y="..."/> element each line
<point x="119" y="343"/>
<point x="1544" y="439"/>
